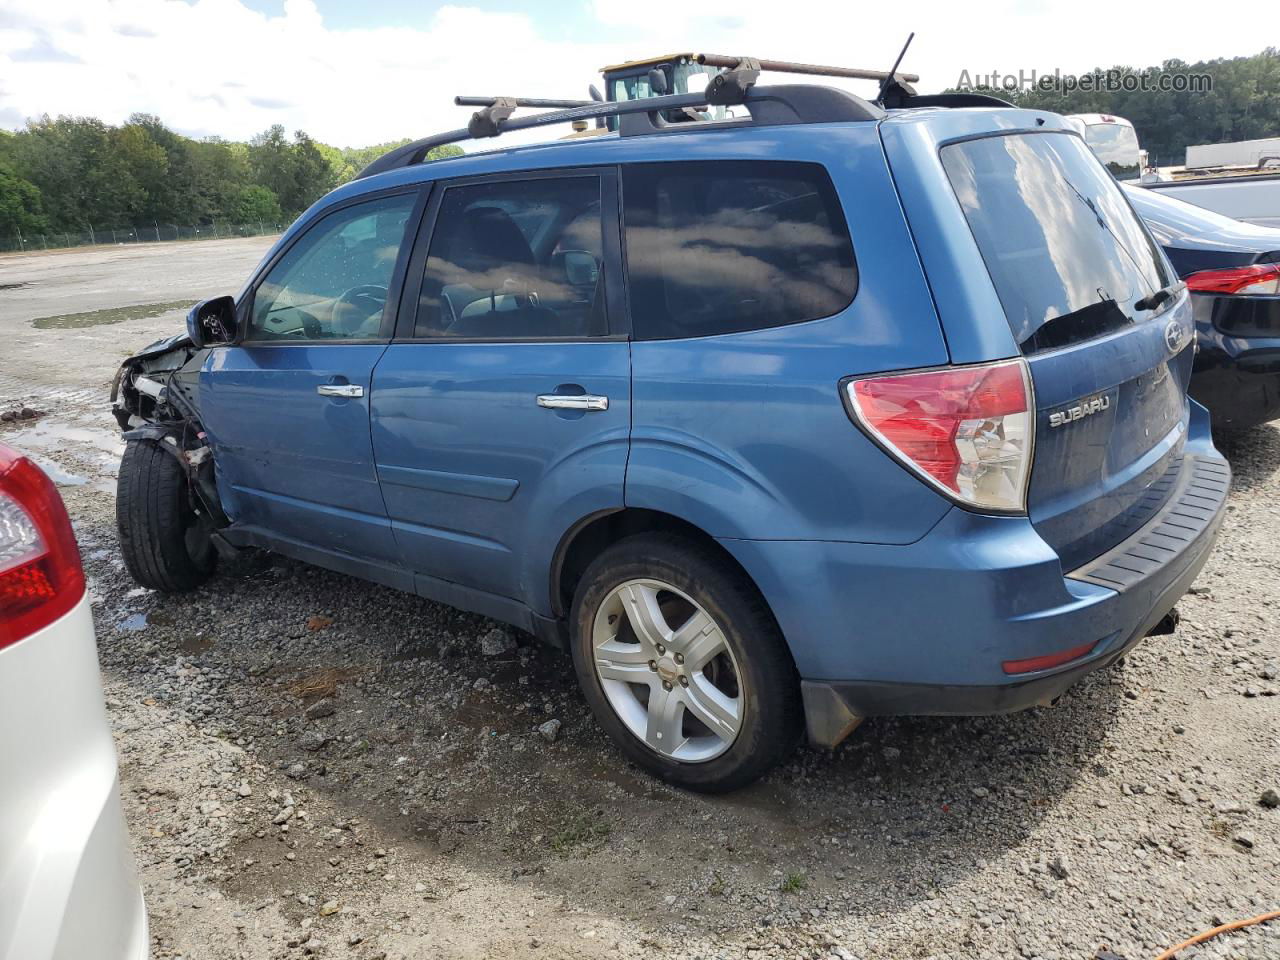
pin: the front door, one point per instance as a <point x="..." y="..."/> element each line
<point x="501" y="414"/>
<point x="287" y="408"/>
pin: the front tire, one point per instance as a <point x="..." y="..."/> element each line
<point x="683" y="664"/>
<point x="166" y="545"/>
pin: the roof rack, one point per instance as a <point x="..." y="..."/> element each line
<point x="767" y="105"/>
<point x="736" y="85"/>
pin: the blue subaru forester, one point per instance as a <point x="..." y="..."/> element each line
<point x="776" y="422"/>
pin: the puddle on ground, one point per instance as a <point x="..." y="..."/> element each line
<point x="49" y="434"/>
<point x="95" y="318"/>
<point x="133" y="623"/>
<point x="39" y="439"/>
<point x="195" y="644"/>
<point x="59" y="474"/>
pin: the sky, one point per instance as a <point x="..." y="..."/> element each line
<point x="358" y="72"/>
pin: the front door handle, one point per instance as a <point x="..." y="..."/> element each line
<point x="340" y="390"/>
<point x="573" y="401"/>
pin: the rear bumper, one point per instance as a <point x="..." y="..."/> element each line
<point x="830" y="706"/>
<point x="1237" y="377"/>
<point x="926" y="628"/>
<point x="68" y="886"/>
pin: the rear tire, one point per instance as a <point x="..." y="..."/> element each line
<point x="652" y="696"/>
<point x="166" y="545"/>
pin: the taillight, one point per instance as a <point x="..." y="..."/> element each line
<point x="1253" y="279"/>
<point x="40" y="574"/>
<point x="966" y="430"/>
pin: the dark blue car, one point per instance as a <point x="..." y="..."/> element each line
<point x="776" y="423"/>
<point x="1233" y="271"/>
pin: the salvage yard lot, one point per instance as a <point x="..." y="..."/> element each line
<point x="316" y="765"/>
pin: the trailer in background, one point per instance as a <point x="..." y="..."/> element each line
<point x="1255" y="154"/>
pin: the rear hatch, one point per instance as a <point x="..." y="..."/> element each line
<point x="1074" y="270"/>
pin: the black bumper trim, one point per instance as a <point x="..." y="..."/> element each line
<point x="1194" y="504"/>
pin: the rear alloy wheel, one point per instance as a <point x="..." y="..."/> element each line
<point x="666" y="670"/>
<point x="166" y="544"/>
<point x="683" y="664"/>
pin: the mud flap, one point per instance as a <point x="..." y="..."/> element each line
<point x="827" y="716"/>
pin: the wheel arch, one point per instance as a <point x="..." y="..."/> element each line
<point x="586" y="539"/>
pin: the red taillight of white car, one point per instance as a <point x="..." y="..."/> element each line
<point x="968" y="431"/>
<point x="40" y="574"/>
<point x="1257" y="278"/>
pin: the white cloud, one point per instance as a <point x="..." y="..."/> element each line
<point x="216" y="67"/>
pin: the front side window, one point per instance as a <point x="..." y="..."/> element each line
<point x="516" y="260"/>
<point x="723" y="246"/>
<point x="332" y="284"/>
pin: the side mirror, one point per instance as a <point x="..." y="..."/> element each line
<point x="212" y="321"/>
<point x="580" y="268"/>
<point x="658" y="82"/>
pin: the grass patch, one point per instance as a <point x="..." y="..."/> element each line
<point x="95" y="318"/>
<point x="1221" y="829"/>
<point x="581" y="830"/>
<point x="793" y="882"/>
<point x="321" y="683"/>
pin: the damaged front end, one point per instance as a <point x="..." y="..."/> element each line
<point x="155" y="397"/>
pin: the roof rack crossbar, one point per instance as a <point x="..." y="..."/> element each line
<point x="813" y="69"/>
<point x="767" y="105"/>
<point x="523" y="102"/>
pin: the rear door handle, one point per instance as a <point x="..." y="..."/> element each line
<point x="340" y="390"/>
<point x="573" y="401"/>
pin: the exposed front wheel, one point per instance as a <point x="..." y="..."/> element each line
<point x="166" y="544"/>
<point x="683" y="664"/>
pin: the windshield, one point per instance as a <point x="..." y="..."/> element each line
<point x="1066" y="253"/>
<point x="1116" y="145"/>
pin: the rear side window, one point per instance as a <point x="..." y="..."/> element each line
<point x="724" y="246"/>
<point x="516" y="260"/>
<point x="1066" y="253"/>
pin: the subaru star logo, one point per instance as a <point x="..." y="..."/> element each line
<point x="1173" y="335"/>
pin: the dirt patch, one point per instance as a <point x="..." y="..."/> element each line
<point x="96" y="318"/>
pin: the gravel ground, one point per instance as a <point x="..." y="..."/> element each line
<point x="313" y="765"/>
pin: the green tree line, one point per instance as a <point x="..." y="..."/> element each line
<point x="1243" y="104"/>
<point x="72" y="174"/>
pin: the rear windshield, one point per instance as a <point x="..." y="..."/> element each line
<point x="1116" y="145"/>
<point x="1067" y="254"/>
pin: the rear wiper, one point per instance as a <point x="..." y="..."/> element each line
<point x="1093" y="208"/>
<point x="1160" y="296"/>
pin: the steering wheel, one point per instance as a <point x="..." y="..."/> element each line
<point x="356" y="306"/>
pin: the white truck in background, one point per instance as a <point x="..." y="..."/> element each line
<point x="1242" y="188"/>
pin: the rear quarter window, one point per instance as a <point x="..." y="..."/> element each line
<point x="720" y="247"/>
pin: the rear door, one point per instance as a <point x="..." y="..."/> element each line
<point x="1075" y="272"/>
<point x="502" y="411"/>
<point x="287" y="408"/>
